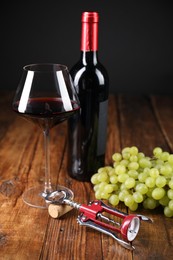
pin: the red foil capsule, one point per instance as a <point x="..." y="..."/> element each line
<point x="89" y="35"/>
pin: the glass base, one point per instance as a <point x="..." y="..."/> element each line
<point x="35" y="196"/>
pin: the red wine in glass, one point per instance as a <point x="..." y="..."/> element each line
<point x="46" y="97"/>
<point x="46" y="111"/>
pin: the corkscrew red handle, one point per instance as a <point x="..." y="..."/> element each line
<point x="94" y="211"/>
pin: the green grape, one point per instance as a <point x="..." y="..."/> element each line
<point x="126" y="150"/>
<point x="170" y="194"/>
<point x="123" y="194"/>
<point x="149" y="192"/>
<point x="149" y="203"/>
<point x="158" y="193"/>
<point x="130" y="183"/>
<point x="94" y="179"/>
<point x="133" y="174"/>
<point x="140" y="155"/>
<point x="159" y="162"/>
<point x="138" y="197"/>
<point x="146" y="171"/>
<point x="164" y="156"/>
<point x="134" y="206"/>
<point x="103" y="176"/>
<point x="164" y="201"/>
<point x="171" y="184"/>
<point x="167" y="212"/>
<point x="157" y="151"/>
<point x="108" y="188"/>
<point x="166" y="170"/>
<point x="122" y="186"/>
<point x="113" y="178"/>
<point x="112" y="172"/>
<point x="98" y="194"/>
<point x="133" y="166"/>
<point x="120" y="169"/>
<point x="142" y="188"/>
<point x="108" y="169"/>
<point x="160" y="181"/>
<point x="133" y="158"/>
<point x="154" y="172"/>
<point x="105" y="195"/>
<point x="102" y="169"/>
<point x="145" y="163"/>
<point x="170" y="159"/>
<point x="129" y="200"/>
<point x="142" y="176"/>
<point x="115" y="187"/>
<point x="116" y="157"/>
<point x="114" y="199"/>
<point x="133" y="150"/>
<point x="150" y="182"/>
<point x="124" y="162"/>
<point x="102" y="185"/>
<point x="123" y="177"/>
<point x="115" y="164"/>
<point x="126" y="155"/>
<point x="96" y="187"/>
<point x="170" y="205"/>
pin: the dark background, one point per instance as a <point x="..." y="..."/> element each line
<point x="135" y="40"/>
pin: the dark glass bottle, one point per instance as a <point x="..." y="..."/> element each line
<point x="87" y="129"/>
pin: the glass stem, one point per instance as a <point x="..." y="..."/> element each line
<point x="47" y="184"/>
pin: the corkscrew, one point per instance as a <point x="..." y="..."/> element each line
<point x="95" y="215"/>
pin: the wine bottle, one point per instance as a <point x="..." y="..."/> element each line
<point x="88" y="128"/>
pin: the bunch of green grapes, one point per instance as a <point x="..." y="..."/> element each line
<point x="136" y="179"/>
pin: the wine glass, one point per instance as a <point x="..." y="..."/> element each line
<point x="46" y="97"/>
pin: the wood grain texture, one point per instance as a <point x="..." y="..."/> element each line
<point x="29" y="233"/>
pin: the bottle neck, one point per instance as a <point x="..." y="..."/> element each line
<point x="89" y="57"/>
<point x="89" y="42"/>
<point x="89" y="36"/>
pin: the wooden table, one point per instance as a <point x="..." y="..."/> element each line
<point x="30" y="233"/>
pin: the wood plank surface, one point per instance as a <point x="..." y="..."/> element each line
<point x="30" y="233"/>
<point x="139" y="126"/>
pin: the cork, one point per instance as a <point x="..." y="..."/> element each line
<point x="56" y="211"/>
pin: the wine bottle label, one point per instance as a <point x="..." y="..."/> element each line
<point x="102" y="126"/>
